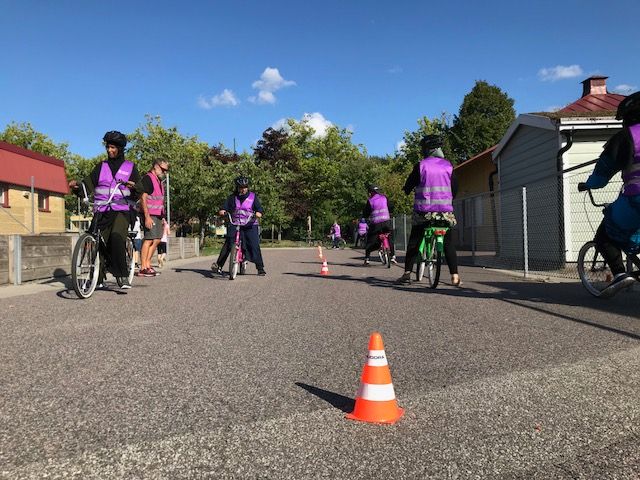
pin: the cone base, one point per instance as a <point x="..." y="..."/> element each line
<point x="372" y="418"/>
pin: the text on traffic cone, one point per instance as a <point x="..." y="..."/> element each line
<point x="376" y="400"/>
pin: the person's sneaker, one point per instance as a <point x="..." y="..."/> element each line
<point x="215" y="268"/>
<point x="393" y="260"/>
<point x="405" y="279"/>
<point x="619" y="282"/>
<point x="261" y="272"/>
<point x="147" y="272"/>
<point x="366" y="263"/>
<point x="123" y="283"/>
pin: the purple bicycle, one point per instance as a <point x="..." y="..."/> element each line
<point x="237" y="260"/>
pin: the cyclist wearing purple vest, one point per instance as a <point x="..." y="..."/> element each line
<point x="361" y="231"/>
<point x="435" y="187"/>
<point x="114" y="218"/>
<point x="620" y="228"/>
<point x="336" y="234"/>
<point x="377" y="210"/>
<point x="242" y="204"/>
<point x="152" y="206"/>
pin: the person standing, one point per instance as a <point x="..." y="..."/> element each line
<point x="245" y="209"/>
<point x="152" y="206"/>
<point x="435" y="187"/>
<point x="114" y="217"/>
<point x="162" y="247"/>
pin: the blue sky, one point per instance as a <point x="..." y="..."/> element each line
<point x="230" y="69"/>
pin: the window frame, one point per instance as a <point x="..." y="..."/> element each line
<point x="45" y="201"/>
<point x="4" y="195"/>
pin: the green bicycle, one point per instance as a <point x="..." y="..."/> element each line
<point x="430" y="251"/>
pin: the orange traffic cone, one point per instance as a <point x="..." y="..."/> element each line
<point x="325" y="267"/>
<point x="376" y="399"/>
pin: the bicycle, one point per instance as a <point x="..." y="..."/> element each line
<point x="237" y="261"/>
<point x="430" y="251"/>
<point x="384" y="252"/>
<point x="90" y="249"/>
<point x="342" y="243"/>
<point x="593" y="270"/>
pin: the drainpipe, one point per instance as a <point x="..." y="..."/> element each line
<point x="568" y="135"/>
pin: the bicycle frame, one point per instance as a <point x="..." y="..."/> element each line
<point x="384" y="240"/>
<point x="429" y="233"/>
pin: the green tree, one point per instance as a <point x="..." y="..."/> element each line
<point x="484" y="117"/>
<point x="25" y="136"/>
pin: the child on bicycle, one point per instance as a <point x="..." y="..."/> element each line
<point x="335" y="234"/>
<point x="377" y="210"/>
<point x="620" y="227"/>
<point x="243" y="204"/>
<point x="435" y="187"/>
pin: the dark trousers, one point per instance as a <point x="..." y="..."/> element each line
<point x="609" y="250"/>
<point x="115" y="237"/>
<point x="415" y="237"/>
<point x="250" y="245"/>
<point x="373" y="243"/>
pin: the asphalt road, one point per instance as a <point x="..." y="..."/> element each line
<point x="190" y="375"/>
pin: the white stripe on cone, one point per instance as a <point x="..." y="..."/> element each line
<point x="377" y="358"/>
<point x="376" y="393"/>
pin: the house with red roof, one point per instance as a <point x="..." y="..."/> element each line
<point x="536" y="152"/>
<point x="21" y="172"/>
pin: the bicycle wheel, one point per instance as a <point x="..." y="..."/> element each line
<point x="342" y="243"/>
<point x="85" y="266"/>
<point x="131" y="265"/>
<point x="234" y="266"/>
<point x="421" y="266"/>
<point x="434" y="262"/>
<point x="593" y="270"/>
<point x="387" y="257"/>
<point x="243" y="268"/>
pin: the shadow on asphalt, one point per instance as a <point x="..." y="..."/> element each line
<point x="515" y="293"/>
<point x="346" y="404"/>
<point x="204" y="272"/>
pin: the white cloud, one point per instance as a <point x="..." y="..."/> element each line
<point x="559" y="72"/>
<point x="270" y="81"/>
<point x="314" y="120"/>
<point x="625" y="89"/>
<point x="395" y="69"/>
<point x="400" y="145"/>
<point x="552" y="108"/>
<point x="225" y="99"/>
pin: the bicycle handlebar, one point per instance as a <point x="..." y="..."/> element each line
<point x="593" y="202"/>
<point x="230" y="217"/>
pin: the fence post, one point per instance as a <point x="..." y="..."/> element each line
<point x="404" y="232"/>
<point x="525" y="237"/>
<point x="473" y="231"/>
<point x="15" y="259"/>
<point x="197" y="247"/>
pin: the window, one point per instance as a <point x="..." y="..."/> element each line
<point x="4" y="196"/>
<point x="43" y="201"/>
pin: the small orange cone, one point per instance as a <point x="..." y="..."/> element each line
<point x="376" y="399"/>
<point x="325" y="267"/>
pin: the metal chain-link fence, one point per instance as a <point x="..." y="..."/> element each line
<point x="535" y="229"/>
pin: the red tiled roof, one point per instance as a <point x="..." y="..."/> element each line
<point x="18" y="165"/>
<point x="594" y="103"/>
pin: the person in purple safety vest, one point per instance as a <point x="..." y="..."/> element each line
<point x="378" y="211"/>
<point x="361" y="231"/>
<point x="435" y="186"/>
<point x="336" y="234"/>
<point x="242" y="205"/>
<point x="153" y="214"/>
<point x="620" y="227"/>
<point x="113" y="218"/>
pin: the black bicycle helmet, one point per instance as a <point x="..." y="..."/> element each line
<point x="629" y="108"/>
<point x="242" y="182"/>
<point x="115" y="138"/>
<point x="431" y="142"/>
<point x="373" y="188"/>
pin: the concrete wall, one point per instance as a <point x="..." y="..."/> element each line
<point x="48" y="256"/>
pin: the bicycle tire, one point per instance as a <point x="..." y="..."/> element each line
<point x="243" y="268"/>
<point x="342" y="243"/>
<point x="131" y="264"/>
<point x="593" y="271"/>
<point x="434" y="262"/>
<point x="387" y="257"/>
<point x="234" y="267"/>
<point x="421" y="266"/>
<point x="85" y="266"/>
